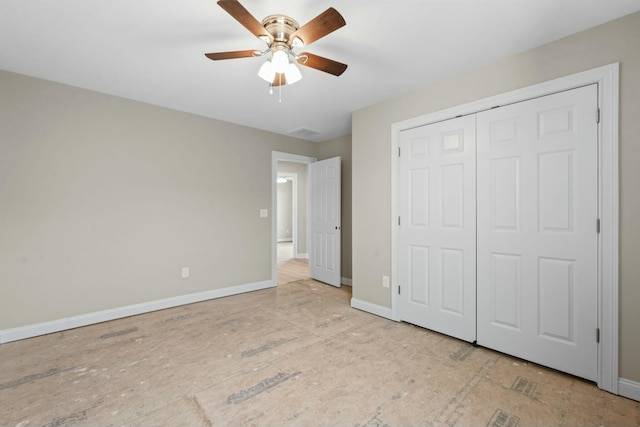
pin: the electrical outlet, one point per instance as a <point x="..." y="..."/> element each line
<point x="185" y="272"/>
<point x="385" y="281"/>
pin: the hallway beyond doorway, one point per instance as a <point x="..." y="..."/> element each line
<point x="290" y="269"/>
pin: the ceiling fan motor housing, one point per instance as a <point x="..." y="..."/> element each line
<point x="281" y="27"/>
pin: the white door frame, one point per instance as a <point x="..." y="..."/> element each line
<point x="608" y="183"/>
<point x="277" y="156"/>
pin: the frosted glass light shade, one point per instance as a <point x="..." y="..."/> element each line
<point x="267" y="72"/>
<point x="292" y="74"/>
<point x="280" y="61"/>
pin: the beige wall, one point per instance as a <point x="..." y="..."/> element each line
<point x="333" y="148"/>
<point x="103" y="200"/>
<point x="617" y="41"/>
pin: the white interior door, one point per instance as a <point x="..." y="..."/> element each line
<point x="437" y="234"/>
<point x="324" y="256"/>
<point x="537" y="237"/>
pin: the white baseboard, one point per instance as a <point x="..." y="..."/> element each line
<point x="303" y="256"/>
<point x="29" y="331"/>
<point x="345" y="281"/>
<point x="628" y="388"/>
<point x="378" y="310"/>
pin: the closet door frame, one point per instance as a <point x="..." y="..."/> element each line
<point x="606" y="77"/>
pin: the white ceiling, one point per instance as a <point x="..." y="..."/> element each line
<point x="153" y="50"/>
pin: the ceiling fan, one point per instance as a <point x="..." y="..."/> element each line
<point x="282" y="34"/>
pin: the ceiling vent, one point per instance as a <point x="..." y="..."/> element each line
<point x="304" y="133"/>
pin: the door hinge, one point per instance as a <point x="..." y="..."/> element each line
<point x="398" y="151"/>
<point x="398" y="221"/>
<point x="597" y="115"/>
<point x="598" y="225"/>
<point x="398" y="289"/>
<point x="598" y="335"/>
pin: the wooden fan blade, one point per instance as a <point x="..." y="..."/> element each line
<point x="279" y="80"/>
<point x="323" y="64"/>
<point x="323" y="24"/>
<point x="242" y="15"/>
<point x="216" y="56"/>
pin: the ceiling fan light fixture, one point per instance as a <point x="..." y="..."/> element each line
<point x="267" y="72"/>
<point x="292" y="74"/>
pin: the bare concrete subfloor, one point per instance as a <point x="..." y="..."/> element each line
<point x="293" y="355"/>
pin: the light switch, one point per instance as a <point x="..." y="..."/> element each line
<point x="385" y="281"/>
<point x="264" y="213"/>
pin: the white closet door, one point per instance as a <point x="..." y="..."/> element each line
<point x="437" y="227"/>
<point x="537" y="236"/>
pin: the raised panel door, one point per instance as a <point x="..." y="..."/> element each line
<point x="437" y="227"/>
<point x="536" y="225"/>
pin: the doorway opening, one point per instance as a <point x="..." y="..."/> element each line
<point x="292" y="259"/>
<point x="287" y="214"/>
<point x="290" y="226"/>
